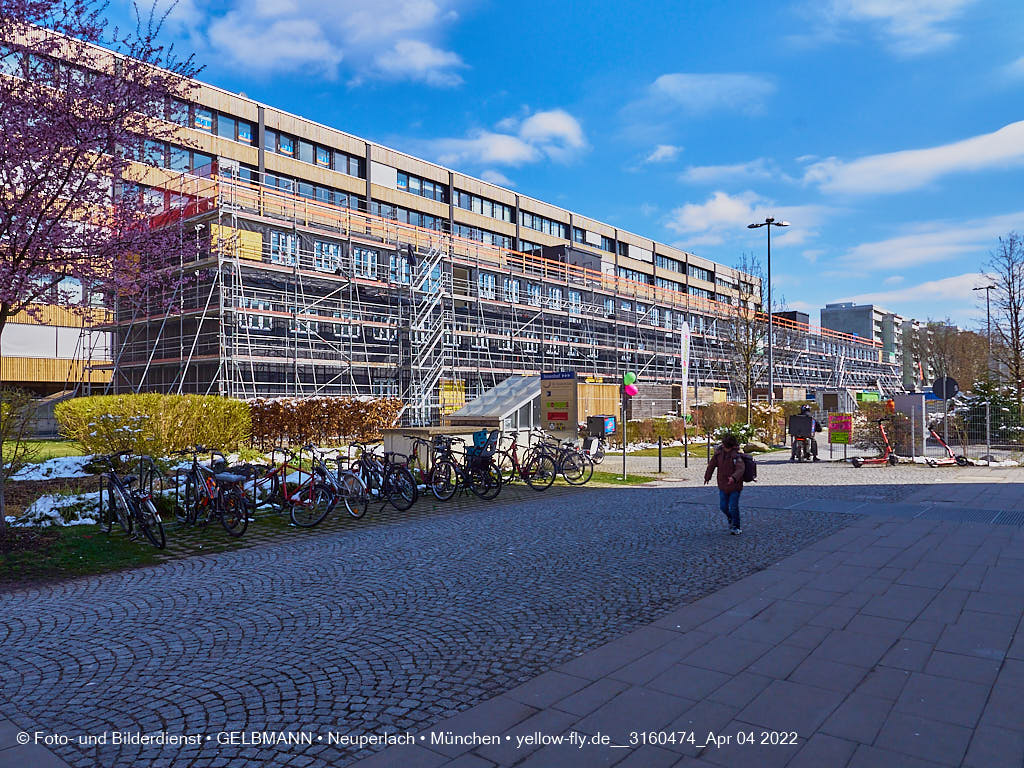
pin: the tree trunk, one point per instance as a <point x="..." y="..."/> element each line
<point x="5" y="312"/>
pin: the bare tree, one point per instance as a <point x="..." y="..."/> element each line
<point x="949" y="351"/>
<point x="744" y="331"/>
<point x="1005" y="270"/>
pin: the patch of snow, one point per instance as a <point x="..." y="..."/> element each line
<point x="51" y="510"/>
<point x="52" y="469"/>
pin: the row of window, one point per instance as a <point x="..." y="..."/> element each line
<point x="632" y="274"/>
<point x="483" y="206"/>
<point x="673" y="265"/>
<point x="542" y="224"/>
<point x="317" y="192"/>
<point x="670" y="285"/>
<point x="213" y="122"/>
<point x="164" y="155"/>
<point x="414" y="185"/>
<point x="700" y="273"/>
<point x="484" y="236"/>
<point x="314" y="154"/>
<point x="406" y="216"/>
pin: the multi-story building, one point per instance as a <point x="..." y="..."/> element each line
<point x="869" y="322"/>
<point x="324" y="263"/>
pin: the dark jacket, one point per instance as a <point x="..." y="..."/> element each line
<point x="729" y="463"/>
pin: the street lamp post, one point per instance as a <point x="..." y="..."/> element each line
<point x="988" y="368"/>
<point x="769" y="223"/>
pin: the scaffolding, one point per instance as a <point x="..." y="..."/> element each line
<point x="291" y="296"/>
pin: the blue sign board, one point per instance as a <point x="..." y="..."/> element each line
<point x="558" y="375"/>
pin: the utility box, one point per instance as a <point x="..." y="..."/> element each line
<point x="600" y="426"/>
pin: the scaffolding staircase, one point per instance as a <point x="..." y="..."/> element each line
<point x="430" y="350"/>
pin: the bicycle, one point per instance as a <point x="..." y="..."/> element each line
<point x="425" y="473"/>
<point x="537" y="471"/>
<point x="129" y="499"/>
<point x="572" y="464"/>
<point x="210" y="494"/>
<point x="478" y="474"/>
<point x="386" y="478"/>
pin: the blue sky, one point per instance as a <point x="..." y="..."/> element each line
<point x="890" y="133"/>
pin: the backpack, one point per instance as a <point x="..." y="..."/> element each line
<point x="749" y="468"/>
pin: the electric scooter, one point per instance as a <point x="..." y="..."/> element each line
<point x="888" y="455"/>
<point x="950" y="458"/>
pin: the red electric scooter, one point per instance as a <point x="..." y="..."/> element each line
<point x="888" y="455"/>
<point x="950" y="458"/>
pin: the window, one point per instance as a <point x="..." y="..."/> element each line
<point x="305" y="152"/>
<point x="323" y="157"/>
<point x="283" y="248"/>
<point x="623" y="249"/>
<point x="525" y="246"/>
<point x="482" y="206"/>
<point x="670" y="285"/>
<point x="326" y="256"/>
<point x="579" y="235"/>
<point x="180" y="160"/>
<point x="202" y="119"/>
<point x="177" y="112"/>
<point x="285" y="145"/>
<point x="701" y="292"/>
<point x="483" y="236"/>
<point x="700" y="273"/>
<point x="251" y="321"/>
<point x="632" y="274"/>
<point x="542" y="224"/>
<point x="607" y="244"/>
<point x="512" y="290"/>
<point x="244" y="132"/>
<point x="226" y="127"/>
<point x="201" y="161"/>
<point x="270" y="140"/>
<point x="414" y="185"/>
<point x="555" y="297"/>
<point x="400" y="270"/>
<point x="609" y="307"/>
<point x="486" y="285"/>
<point x="533" y="295"/>
<point x="575" y="301"/>
<point x="364" y="262"/>
<point x="672" y="264"/>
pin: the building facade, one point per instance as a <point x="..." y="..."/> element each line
<point x="321" y="263"/>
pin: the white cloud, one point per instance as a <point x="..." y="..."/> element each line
<point x="388" y="39"/>
<point x="702" y="93"/>
<point x="933" y="242"/>
<point x="1015" y="69"/>
<point x="496" y="177"/>
<point x="417" y="60"/>
<point x="908" y="27"/>
<point x="812" y="254"/>
<point x="724" y="217"/>
<point x="554" y="134"/>
<point x="761" y="168"/>
<point x="663" y="153"/>
<point x="893" y="280"/>
<point x="949" y="296"/>
<point x="915" y="168"/>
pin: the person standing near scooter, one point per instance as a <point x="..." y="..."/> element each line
<point x="730" y="466"/>
<point x="815" y="428"/>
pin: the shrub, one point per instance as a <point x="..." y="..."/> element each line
<point x="743" y="432"/>
<point x="154" y="424"/>
<point x="716" y="415"/>
<point x="321" y="420"/>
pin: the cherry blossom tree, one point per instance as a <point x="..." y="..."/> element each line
<point x="80" y="102"/>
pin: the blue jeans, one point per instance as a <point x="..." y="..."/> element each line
<point x="729" y="503"/>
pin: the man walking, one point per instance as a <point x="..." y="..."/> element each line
<point x="730" y="465"/>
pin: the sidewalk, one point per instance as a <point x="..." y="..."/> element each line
<point x="894" y="642"/>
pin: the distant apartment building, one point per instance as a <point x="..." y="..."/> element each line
<point x="870" y="322"/>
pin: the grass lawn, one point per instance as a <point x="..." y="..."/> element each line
<point x="41" y="450"/>
<point x="30" y="554"/>
<point x="699" y="450"/>
<point x="615" y="478"/>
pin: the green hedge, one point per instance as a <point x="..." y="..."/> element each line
<point x="154" y="424"/>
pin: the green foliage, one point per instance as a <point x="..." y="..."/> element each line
<point x="153" y="424"/>
<point x="17" y="415"/>
<point x="744" y="433"/>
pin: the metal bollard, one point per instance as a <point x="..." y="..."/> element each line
<point x="659" y="455"/>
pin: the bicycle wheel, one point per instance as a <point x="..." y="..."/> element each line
<point x="444" y="480"/>
<point x="234" y="512"/>
<point x="576" y="468"/>
<point x="313" y="505"/>
<point x="123" y="509"/>
<point x="354" y="495"/>
<point x="539" y="471"/>
<point x="485" y="482"/>
<point x="399" y="488"/>
<point x="507" y="467"/>
<point x="151" y="524"/>
<point x="190" y="501"/>
<point x="598" y="455"/>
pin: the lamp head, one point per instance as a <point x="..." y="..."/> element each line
<point x="781" y="223"/>
<point x="754" y="226"/>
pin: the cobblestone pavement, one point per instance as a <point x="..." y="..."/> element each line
<point x="393" y="624"/>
